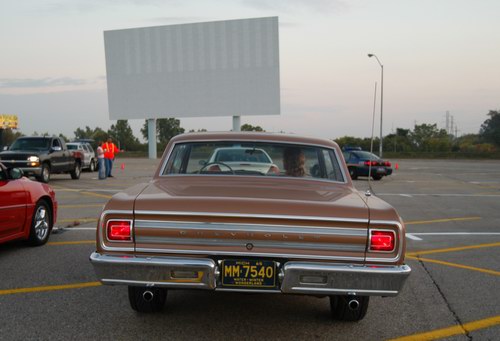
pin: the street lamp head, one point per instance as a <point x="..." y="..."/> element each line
<point x="370" y="55"/>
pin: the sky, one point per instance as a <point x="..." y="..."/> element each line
<point x="438" y="56"/>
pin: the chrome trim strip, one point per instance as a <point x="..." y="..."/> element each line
<point x="100" y="228"/>
<point x="328" y="291"/>
<point x="247" y="254"/>
<point x="244" y="215"/>
<point x="260" y="291"/>
<point x="110" y="281"/>
<point x="256" y="243"/>
<point x="164" y="165"/>
<point x="271" y="228"/>
<point x="399" y="245"/>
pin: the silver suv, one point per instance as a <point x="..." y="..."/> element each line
<point x="89" y="158"/>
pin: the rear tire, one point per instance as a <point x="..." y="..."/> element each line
<point x="353" y="173"/>
<point x="340" y="310"/>
<point x="75" y="173"/>
<point x="92" y="166"/>
<point x="138" y="303"/>
<point x="41" y="224"/>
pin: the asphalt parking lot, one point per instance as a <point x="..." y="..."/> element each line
<point x="452" y="212"/>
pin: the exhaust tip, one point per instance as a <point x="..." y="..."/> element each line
<point x="148" y="296"/>
<point x="353" y="304"/>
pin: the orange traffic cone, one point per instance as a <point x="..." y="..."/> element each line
<point x="397" y="166"/>
<point x="122" y="167"/>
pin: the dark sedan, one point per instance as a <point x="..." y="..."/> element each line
<point x="359" y="163"/>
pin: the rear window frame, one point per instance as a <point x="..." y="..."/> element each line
<point x="162" y="170"/>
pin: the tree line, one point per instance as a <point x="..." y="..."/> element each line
<point x="426" y="138"/>
<point x="122" y="134"/>
<point x="422" y="138"/>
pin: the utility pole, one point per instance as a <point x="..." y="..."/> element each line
<point x="451" y="127"/>
<point x="447" y="122"/>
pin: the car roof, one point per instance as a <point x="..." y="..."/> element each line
<point x="254" y="137"/>
<point x="238" y="148"/>
<point x="36" y="137"/>
<point x="78" y="143"/>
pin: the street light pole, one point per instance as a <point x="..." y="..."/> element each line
<point x="381" y="100"/>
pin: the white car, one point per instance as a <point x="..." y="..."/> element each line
<point x="89" y="158"/>
<point x="241" y="159"/>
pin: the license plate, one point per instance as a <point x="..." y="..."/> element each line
<point x="249" y="273"/>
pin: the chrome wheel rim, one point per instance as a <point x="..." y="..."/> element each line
<point x="46" y="174"/>
<point x="41" y="222"/>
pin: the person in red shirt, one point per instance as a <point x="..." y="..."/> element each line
<point x="109" y="155"/>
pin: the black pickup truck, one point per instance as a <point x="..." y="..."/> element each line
<point x="42" y="156"/>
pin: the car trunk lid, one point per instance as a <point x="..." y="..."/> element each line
<point x="251" y="217"/>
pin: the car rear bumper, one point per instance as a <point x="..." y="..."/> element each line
<point x="307" y="278"/>
<point x="364" y="171"/>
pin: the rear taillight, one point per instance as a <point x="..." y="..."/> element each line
<point x="373" y="163"/>
<point x="119" y="230"/>
<point x="387" y="164"/>
<point x="382" y="240"/>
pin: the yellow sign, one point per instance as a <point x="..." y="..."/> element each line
<point x="8" y="121"/>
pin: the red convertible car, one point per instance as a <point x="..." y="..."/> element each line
<point x="28" y="209"/>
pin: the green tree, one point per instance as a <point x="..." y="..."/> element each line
<point x="7" y="136"/>
<point x="99" y="135"/>
<point x="84" y="133"/>
<point x="166" y="128"/>
<point x="427" y="138"/>
<point x="249" y="127"/>
<point x="123" y="135"/>
<point x="398" y="142"/>
<point x="64" y="137"/>
<point x="490" y="129"/>
<point x="351" y="141"/>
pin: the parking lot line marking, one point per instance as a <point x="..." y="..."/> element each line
<point x="81" y="205"/>
<point x="49" y="288"/>
<point x="74" y="242"/>
<point x="80" y="220"/>
<point x="434" y="221"/>
<point x="452" y="331"/>
<point x="452" y="249"/>
<point x="80" y="229"/>
<point x="412" y="236"/>
<point x="455" y="265"/>
<point x="455" y="233"/>
<point x="86" y="191"/>
<point x="441" y="195"/>
<point x="97" y="195"/>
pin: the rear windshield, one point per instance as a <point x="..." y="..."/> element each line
<point x="72" y="146"/>
<point x="366" y="155"/>
<point x="31" y="144"/>
<point x="254" y="159"/>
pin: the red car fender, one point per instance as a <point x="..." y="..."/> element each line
<point x="34" y="192"/>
